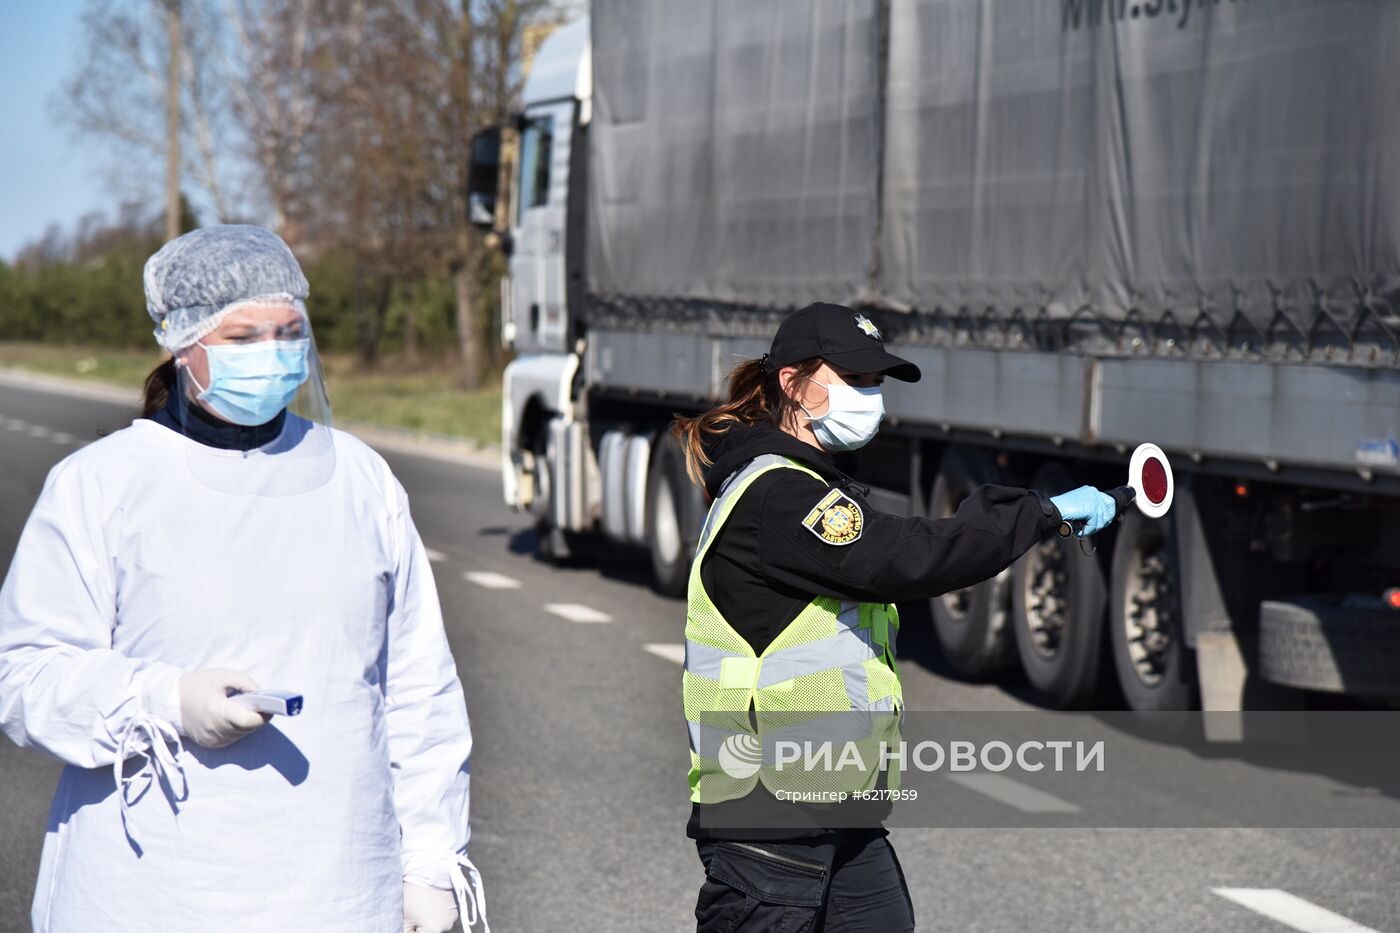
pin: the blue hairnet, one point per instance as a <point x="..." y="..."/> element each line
<point x="194" y="278"/>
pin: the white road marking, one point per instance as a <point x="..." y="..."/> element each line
<point x="492" y="581"/>
<point x="61" y="437"/>
<point x="575" y="612"/>
<point x="434" y="555"/>
<point x="1291" y="911"/>
<point x="38" y="430"/>
<point x="671" y="652"/>
<point x="1011" y="792"/>
<point x="14" y="424"/>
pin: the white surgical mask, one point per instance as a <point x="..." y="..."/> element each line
<point x="250" y="383"/>
<point x="852" y="417"/>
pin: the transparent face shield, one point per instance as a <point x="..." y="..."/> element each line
<point x="250" y="398"/>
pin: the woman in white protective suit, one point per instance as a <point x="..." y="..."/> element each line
<point x="229" y="541"/>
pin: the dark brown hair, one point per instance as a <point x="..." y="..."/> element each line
<point x="754" y="397"/>
<point x="159" y="384"/>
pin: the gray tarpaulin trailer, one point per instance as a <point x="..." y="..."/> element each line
<point x="1091" y="222"/>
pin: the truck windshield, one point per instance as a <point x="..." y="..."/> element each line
<point x="536" y="141"/>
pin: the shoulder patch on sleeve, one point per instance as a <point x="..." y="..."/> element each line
<point x="836" y="519"/>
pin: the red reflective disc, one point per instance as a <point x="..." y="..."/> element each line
<point x="1154" y="480"/>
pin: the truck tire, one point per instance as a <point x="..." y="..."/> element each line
<point x="1058" y="598"/>
<point x="667" y="542"/>
<point x="971" y="624"/>
<point x="1321" y="643"/>
<point x="1154" y="667"/>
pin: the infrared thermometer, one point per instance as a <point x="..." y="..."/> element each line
<point x="276" y="702"/>
<point x="1150" y="487"/>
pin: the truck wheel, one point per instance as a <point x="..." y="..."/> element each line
<point x="1150" y="655"/>
<point x="1320" y="643"/>
<point x="1058" y="597"/>
<point x="665" y="524"/>
<point x="971" y="623"/>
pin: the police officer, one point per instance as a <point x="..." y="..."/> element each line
<point x="790" y="611"/>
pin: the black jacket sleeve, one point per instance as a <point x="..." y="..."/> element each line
<point x="894" y="558"/>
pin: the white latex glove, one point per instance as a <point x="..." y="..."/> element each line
<point x="428" y="910"/>
<point x="209" y="719"/>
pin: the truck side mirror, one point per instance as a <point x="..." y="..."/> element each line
<point x="483" y="178"/>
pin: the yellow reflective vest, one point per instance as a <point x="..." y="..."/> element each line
<point x="829" y="676"/>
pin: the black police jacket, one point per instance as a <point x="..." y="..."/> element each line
<point x="771" y="558"/>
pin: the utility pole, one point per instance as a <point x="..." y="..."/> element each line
<point x="172" y="124"/>
<point x="469" y="335"/>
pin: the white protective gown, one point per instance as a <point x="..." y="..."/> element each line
<point x="130" y="572"/>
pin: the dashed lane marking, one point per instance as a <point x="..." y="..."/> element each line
<point x="61" y="437"/>
<point x="434" y="555"/>
<point x="1012" y="792"/>
<point x="575" y="612"/>
<point x="492" y="581"/>
<point x="38" y="430"/>
<point x="1291" y="911"/>
<point x="14" y="424"/>
<point x="669" y="651"/>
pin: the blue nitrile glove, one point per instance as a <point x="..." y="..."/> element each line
<point x="1086" y="504"/>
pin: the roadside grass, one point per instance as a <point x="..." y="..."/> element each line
<point x="421" y="396"/>
<point x="120" y="367"/>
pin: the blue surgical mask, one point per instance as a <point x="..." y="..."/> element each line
<point x="852" y="417"/>
<point x="250" y="383"/>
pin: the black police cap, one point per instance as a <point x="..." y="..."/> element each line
<point x="839" y="335"/>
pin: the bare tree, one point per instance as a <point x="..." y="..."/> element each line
<point x="351" y="120"/>
<point x="52" y="247"/>
<point x="390" y="149"/>
<point x="116" y="94"/>
<point x="284" y="64"/>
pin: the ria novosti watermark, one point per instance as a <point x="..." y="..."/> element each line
<point x="948" y="769"/>
<point x="741" y="756"/>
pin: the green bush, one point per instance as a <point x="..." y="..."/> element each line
<point x="88" y="291"/>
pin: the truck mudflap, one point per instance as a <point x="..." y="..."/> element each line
<point x="535" y="389"/>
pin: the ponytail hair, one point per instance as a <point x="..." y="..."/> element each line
<point x="159" y="384"/>
<point x="755" y="396"/>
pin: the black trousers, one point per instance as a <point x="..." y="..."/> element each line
<point x="842" y="882"/>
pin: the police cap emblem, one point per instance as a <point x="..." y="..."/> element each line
<point x="868" y="327"/>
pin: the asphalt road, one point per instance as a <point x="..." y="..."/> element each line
<point x="579" y="792"/>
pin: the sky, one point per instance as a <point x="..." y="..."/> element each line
<point x="45" y="174"/>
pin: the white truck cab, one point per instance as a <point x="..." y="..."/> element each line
<point x="544" y="239"/>
<point x="557" y="100"/>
